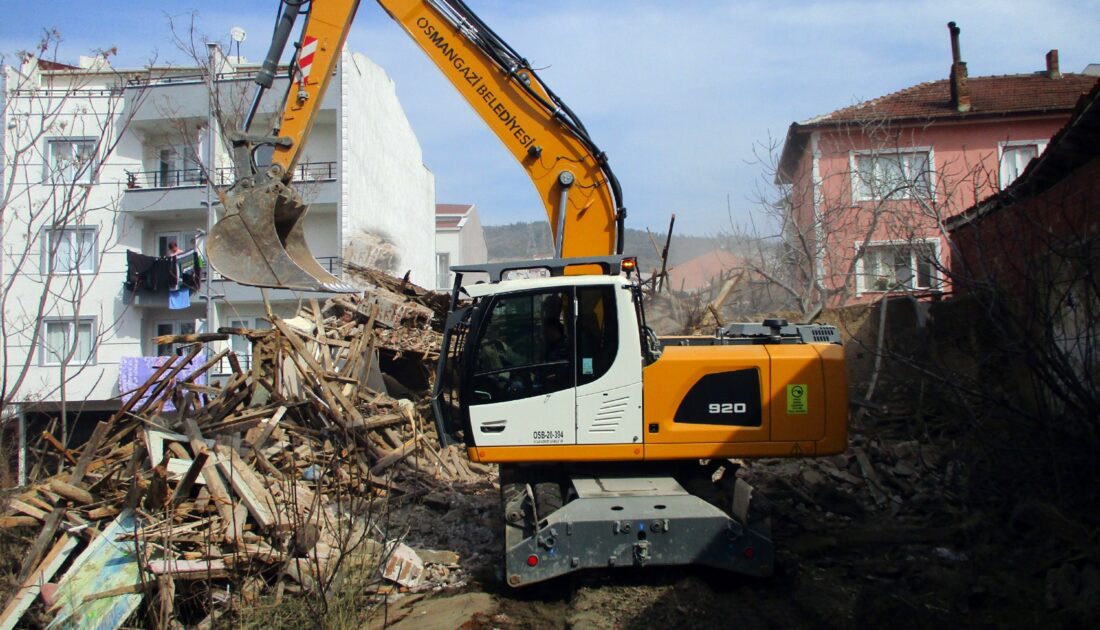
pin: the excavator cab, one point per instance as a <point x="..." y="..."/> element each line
<point x="549" y="347"/>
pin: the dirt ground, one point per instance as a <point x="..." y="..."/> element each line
<point x="920" y="555"/>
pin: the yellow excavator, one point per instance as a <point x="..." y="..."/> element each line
<point x="616" y="448"/>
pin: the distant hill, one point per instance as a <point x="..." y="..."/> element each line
<point x="526" y="241"/>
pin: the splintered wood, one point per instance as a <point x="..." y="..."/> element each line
<point x="267" y="476"/>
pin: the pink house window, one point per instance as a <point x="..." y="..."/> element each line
<point x="880" y="175"/>
<point x="901" y="266"/>
<point x="1015" y="156"/>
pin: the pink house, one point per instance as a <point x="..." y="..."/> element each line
<point x="868" y="186"/>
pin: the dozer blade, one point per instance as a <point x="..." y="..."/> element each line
<point x="260" y="242"/>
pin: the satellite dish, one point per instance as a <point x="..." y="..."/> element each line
<point x="237" y="34"/>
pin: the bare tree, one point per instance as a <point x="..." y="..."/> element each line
<point x="61" y="126"/>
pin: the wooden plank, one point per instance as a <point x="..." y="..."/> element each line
<point x="247" y="486"/>
<point x="17" y="521"/>
<point x="188" y="569"/>
<point x="21" y="600"/>
<point x="222" y="502"/>
<point x="71" y="492"/>
<point x="46" y="435"/>
<point x="29" y="510"/>
<point x="406" y="449"/>
<point x="377" y="422"/>
<point x="189" y="338"/>
<point x="106" y="565"/>
<point x="326" y="354"/>
<point x="239" y="422"/>
<point x="183" y="489"/>
<point x="103" y="512"/>
<point x="267" y="426"/>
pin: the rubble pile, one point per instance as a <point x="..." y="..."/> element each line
<point x="275" y="481"/>
<point x="911" y="489"/>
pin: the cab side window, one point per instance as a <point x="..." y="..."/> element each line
<point x="526" y="348"/>
<point x="597" y="332"/>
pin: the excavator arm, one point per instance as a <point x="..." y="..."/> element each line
<point x="260" y="240"/>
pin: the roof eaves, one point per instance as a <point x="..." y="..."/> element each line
<point x="1041" y="173"/>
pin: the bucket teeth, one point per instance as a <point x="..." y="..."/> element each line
<point x="261" y="242"/>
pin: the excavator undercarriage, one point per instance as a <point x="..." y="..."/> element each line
<point x="561" y="519"/>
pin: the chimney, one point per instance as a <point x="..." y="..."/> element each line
<point x="1052" y="65"/>
<point x="960" y="91"/>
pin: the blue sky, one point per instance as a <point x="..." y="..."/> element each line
<point x="679" y="94"/>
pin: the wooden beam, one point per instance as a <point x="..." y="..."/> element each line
<point x="222" y="501"/>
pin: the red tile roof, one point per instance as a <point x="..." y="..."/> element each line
<point x="997" y="95"/>
<point x="447" y="222"/>
<point x="1008" y="95"/>
<point x="46" y="64"/>
<point x="453" y="208"/>
<point x="699" y="272"/>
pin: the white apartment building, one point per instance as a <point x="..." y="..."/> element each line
<point x="459" y="240"/>
<point x="98" y="161"/>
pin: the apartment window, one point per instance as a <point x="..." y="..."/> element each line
<point x="900" y="175"/>
<point x="70" y="250"/>
<point x="60" y="335"/>
<point x="70" y="160"/>
<point x="185" y="240"/>
<point x="179" y="166"/>
<point x="1015" y="156"/>
<point x="173" y="327"/>
<point x="898" y="266"/>
<point x="443" y="270"/>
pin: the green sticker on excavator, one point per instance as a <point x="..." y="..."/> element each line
<point x="796" y="399"/>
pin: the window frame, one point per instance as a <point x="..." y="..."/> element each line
<point x="936" y="281"/>
<point x="44" y="352"/>
<point x="180" y="236"/>
<point x="1040" y="146"/>
<point x="177" y="329"/>
<point x="474" y="345"/>
<point x="182" y="158"/>
<point x="55" y="177"/>
<point x="856" y="181"/>
<point x="47" y="261"/>
<point x="443" y="272"/>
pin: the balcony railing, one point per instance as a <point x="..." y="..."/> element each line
<point x="224" y="366"/>
<point x="172" y="79"/>
<point x="224" y="176"/>
<point x="331" y="264"/>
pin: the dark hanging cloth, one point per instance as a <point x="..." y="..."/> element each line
<point x="152" y="274"/>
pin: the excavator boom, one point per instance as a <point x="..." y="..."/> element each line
<point x="261" y="242"/>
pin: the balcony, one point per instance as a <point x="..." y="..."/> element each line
<point x="223" y="289"/>
<point x="162" y="101"/>
<point x="183" y="191"/>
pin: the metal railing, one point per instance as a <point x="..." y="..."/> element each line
<point x="224" y="176"/>
<point x="331" y="264"/>
<point x="197" y="77"/>
<point x="224" y="367"/>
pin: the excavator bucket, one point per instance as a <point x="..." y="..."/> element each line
<point x="260" y="242"/>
